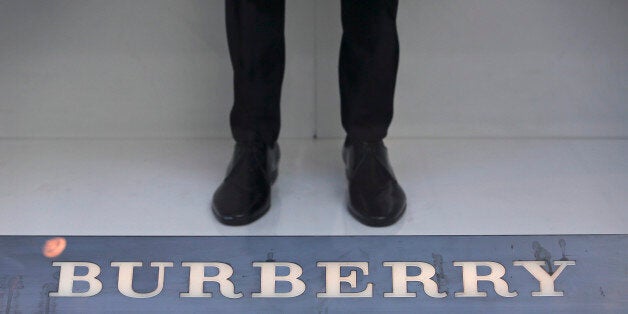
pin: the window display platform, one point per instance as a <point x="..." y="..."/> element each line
<point x="350" y="274"/>
<point x="454" y="187"/>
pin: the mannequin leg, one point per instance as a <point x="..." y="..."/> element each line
<point x="255" y="34"/>
<point x="369" y="58"/>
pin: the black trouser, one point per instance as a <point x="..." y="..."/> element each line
<point x="369" y="57"/>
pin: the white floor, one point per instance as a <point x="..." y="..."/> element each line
<point x="454" y="186"/>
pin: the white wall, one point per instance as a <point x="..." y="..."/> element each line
<point x="160" y="68"/>
<point x="494" y="68"/>
<point x="133" y="68"/>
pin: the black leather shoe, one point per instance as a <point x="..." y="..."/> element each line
<point x="375" y="197"/>
<point x="244" y="195"/>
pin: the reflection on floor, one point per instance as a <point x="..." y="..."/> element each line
<point x="454" y="186"/>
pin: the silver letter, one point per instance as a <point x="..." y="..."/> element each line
<point x="67" y="279"/>
<point x="470" y="279"/>
<point x="546" y="281"/>
<point x="269" y="278"/>
<point x="125" y="278"/>
<point x="333" y="280"/>
<point x="197" y="278"/>
<point x="400" y="280"/>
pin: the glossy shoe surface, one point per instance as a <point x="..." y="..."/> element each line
<point x="375" y="197"/>
<point x="244" y="195"/>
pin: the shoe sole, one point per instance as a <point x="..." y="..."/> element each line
<point x="371" y="222"/>
<point x="245" y="220"/>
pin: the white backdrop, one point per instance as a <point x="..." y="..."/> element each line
<point x="160" y="68"/>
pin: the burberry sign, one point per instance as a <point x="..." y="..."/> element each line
<point x="382" y="274"/>
<point x="333" y="279"/>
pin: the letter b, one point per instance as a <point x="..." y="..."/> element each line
<point x="67" y="279"/>
<point x="269" y="278"/>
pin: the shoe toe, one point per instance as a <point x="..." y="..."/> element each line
<point x="377" y="208"/>
<point x="233" y="205"/>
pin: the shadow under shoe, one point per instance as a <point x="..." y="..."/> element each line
<point x="244" y="195"/>
<point x="375" y="197"/>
